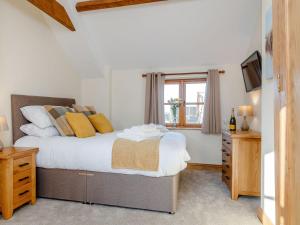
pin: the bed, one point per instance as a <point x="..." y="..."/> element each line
<point x="66" y="170"/>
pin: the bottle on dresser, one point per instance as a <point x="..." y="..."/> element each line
<point x="232" y="122"/>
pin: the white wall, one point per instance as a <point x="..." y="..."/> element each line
<point x="97" y="92"/>
<point x="127" y="92"/>
<point x="254" y="97"/>
<point x="31" y="62"/>
<point x="268" y="163"/>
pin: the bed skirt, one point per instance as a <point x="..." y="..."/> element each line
<point x="133" y="191"/>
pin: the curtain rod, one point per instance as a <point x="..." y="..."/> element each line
<point x="191" y="73"/>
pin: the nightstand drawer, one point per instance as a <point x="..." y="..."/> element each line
<point x="22" y="164"/>
<point x="22" y="178"/>
<point x="22" y="195"/>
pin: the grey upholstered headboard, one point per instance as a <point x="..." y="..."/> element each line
<point x="19" y="101"/>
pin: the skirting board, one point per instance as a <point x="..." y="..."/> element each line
<point x="264" y="219"/>
<point x="200" y="166"/>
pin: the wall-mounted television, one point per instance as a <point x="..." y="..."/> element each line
<point x="252" y="68"/>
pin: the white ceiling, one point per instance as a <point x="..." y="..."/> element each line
<point x="175" y="33"/>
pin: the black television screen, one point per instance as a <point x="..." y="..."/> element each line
<point x="251" y="68"/>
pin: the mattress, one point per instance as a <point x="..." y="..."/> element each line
<point x="95" y="153"/>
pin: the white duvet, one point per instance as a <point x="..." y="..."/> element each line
<point x="94" y="153"/>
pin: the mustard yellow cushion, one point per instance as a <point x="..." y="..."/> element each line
<point x="80" y="124"/>
<point x="101" y="123"/>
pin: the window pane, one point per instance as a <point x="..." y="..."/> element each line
<point x="169" y="117"/>
<point x="171" y="91"/>
<point x="194" y="114"/>
<point x="195" y="92"/>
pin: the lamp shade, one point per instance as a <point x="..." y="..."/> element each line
<point x="3" y="124"/>
<point x="246" y="110"/>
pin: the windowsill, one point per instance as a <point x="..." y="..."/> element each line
<point x="184" y="128"/>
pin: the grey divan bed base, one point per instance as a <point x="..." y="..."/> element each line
<point x="132" y="191"/>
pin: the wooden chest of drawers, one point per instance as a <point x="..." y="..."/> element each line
<point x="17" y="179"/>
<point x="241" y="162"/>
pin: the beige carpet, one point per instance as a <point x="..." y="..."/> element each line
<point x="203" y="200"/>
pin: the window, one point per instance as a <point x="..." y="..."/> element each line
<point x="188" y="95"/>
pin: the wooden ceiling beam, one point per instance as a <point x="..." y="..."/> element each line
<point x="105" y="4"/>
<point x="55" y="10"/>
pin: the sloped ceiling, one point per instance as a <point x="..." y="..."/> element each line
<point x="175" y="33"/>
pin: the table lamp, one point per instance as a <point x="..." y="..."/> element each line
<point x="244" y="111"/>
<point x="3" y="127"/>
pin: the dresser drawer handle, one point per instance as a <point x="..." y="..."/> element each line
<point x="227" y="177"/>
<point x="223" y="150"/>
<point x="25" y="178"/>
<point x="223" y="160"/>
<point x="223" y="171"/>
<point x="228" y="143"/>
<point x="224" y="140"/>
<point x="227" y="166"/>
<point x="228" y="154"/>
<point x="24" y="164"/>
<point x="23" y="193"/>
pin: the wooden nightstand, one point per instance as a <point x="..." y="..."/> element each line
<point x="17" y="178"/>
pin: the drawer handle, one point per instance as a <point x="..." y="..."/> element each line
<point x="228" y="154"/>
<point x="228" y="143"/>
<point x="224" y="139"/>
<point x="23" y="193"/>
<point x="90" y="174"/>
<point x="223" y="160"/>
<point x="227" y="177"/>
<point x="227" y="166"/>
<point x="24" y="164"/>
<point x="25" y="178"/>
<point x="223" y="150"/>
<point x="86" y="174"/>
<point x="223" y="171"/>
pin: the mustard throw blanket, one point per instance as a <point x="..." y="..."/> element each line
<point x="143" y="155"/>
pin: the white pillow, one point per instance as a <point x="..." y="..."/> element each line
<point x="37" y="115"/>
<point x="33" y="130"/>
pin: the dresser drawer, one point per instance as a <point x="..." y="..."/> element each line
<point x="227" y="144"/>
<point x="22" y="195"/>
<point x="226" y="140"/>
<point x="227" y="174"/>
<point x="22" y="164"/>
<point x="226" y="149"/>
<point x="227" y="179"/>
<point x="22" y="178"/>
<point x="226" y="157"/>
<point x="226" y="169"/>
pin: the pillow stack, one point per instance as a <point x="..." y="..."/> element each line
<point x="41" y="125"/>
<point x="48" y="121"/>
